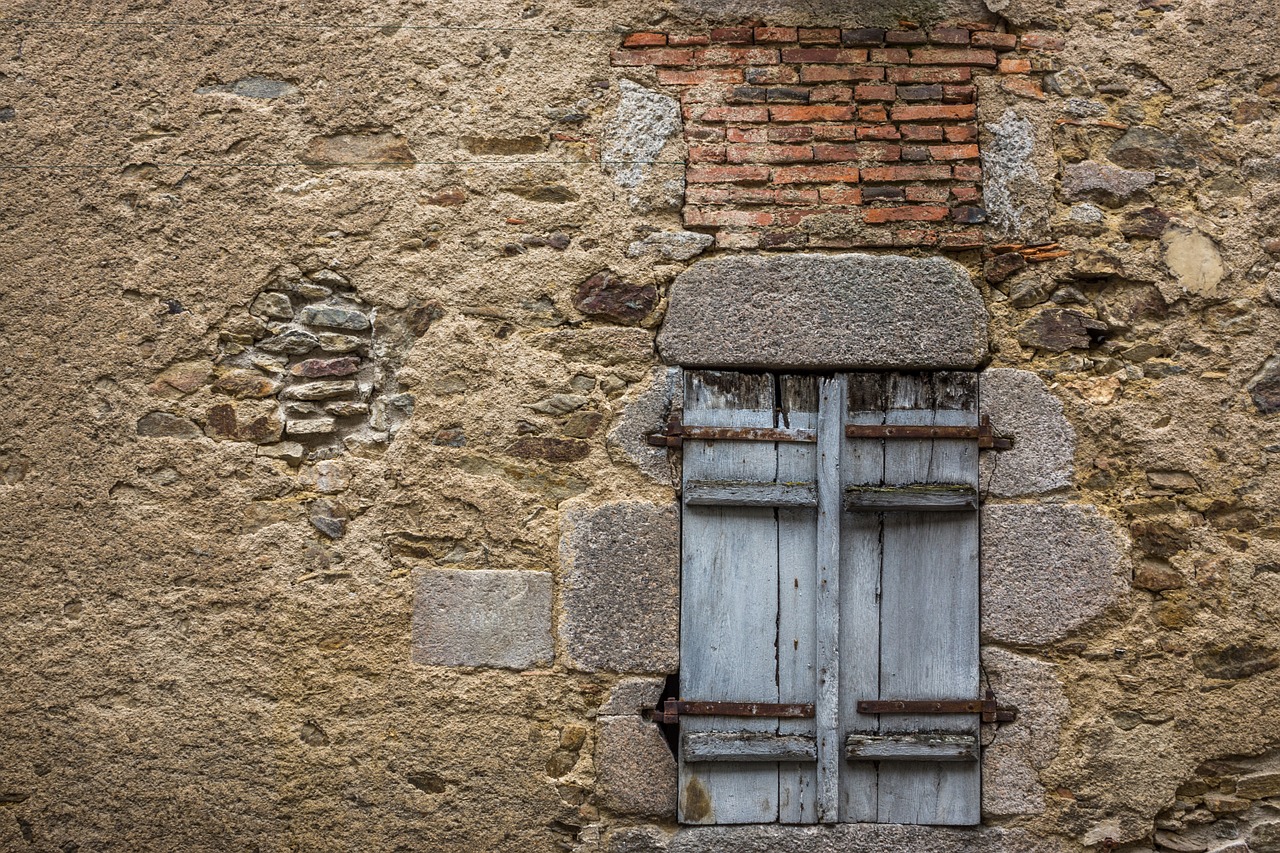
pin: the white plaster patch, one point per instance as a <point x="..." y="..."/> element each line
<point x="636" y="134"/>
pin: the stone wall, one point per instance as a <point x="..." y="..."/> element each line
<point x="430" y="622"/>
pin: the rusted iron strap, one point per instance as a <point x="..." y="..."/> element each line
<point x="673" y="709"/>
<point x="983" y="432"/>
<point x="676" y="433"/>
<point x="986" y="706"/>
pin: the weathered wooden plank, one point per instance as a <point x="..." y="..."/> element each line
<point x="917" y="497"/>
<point x="913" y="747"/>
<point x="747" y="746"/>
<point x="929" y="602"/>
<point x="729" y="605"/>
<point x="862" y="464"/>
<point x="831" y="407"/>
<point x="797" y="581"/>
<point x="788" y="494"/>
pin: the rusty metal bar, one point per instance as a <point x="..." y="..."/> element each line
<point x="673" y="709"/>
<point x="676" y="432"/>
<point x="983" y="432"/>
<point x="991" y="713"/>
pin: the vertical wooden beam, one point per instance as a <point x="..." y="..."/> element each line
<point x="830" y="444"/>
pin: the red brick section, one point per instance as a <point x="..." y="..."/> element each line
<point x="837" y="138"/>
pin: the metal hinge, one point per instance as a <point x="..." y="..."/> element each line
<point x="986" y="706"/>
<point x="676" y="432"/>
<point x="673" y="709"/>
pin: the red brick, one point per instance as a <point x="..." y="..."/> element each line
<point x="883" y="131"/>
<point x="910" y="213"/>
<point x="873" y="113"/>
<point x="743" y="114"/>
<point x="926" y="193"/>
<point x="905" y="37"/>
<point x="930" y="75"/>
<point x="731" y="35"/>
<point x="771" y="75"/>
<point x="891" y="174"/>
<point x="644" y="40"/>
<point x="1042" y="41"/>
<point x="769" y="153"/>
<point x="775" y="238"/>
<point x="818" y="35"/>
<point x="746" y="95"/>
<point x="915" y="152"/>
<point x="862" y="151"/>
<point x="775" y="35"/>
<point x="1023" y="87"/>
<point x="668" y="77"/>
<point x="967" y="173"/>
<point x="922" y="132"/>
<point x="831" y="93"/>
<point x="962" y="133"/>
<point x="824" y="55"/>
<point x="749" y="135"/>
<point x="890" y="55"/>
<point x="970" y="239"/>
<point x="700" y="194"/>
<point x="840" y="195"/>
<point x="688" y="40"/>
<point x="706" y="153"/>
<point x="949" y="35"/>
<point x="967" y="193"/>
<point x="953" y="56"/>
<point x="1014" y="66"/>
<point x="738" y="239"/>
<point x="793" y="196"/>
<point x="815" y="175"/>
<point x="790" y="133"/>
<point x="954" y="152"/>
<point x="819" y="113"/>
<point x="914" y="237"/>
<point x="875" y="92"/>
<point x="795" y="217"/>
<point x="713" y="216"/>
<point x="736" y="56"/>
<point x="964" y="94"/>
<point x="836" y="132"/>
<point x="999" y="41"/>
<point x="704" y="134"/>
<point x="827" y="73"/>
<point x="653" y="56"/>
<point x="942" y="112"/>
<point x="726" y="174"/>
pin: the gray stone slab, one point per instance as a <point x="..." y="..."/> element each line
<point x="808" y="311"/>
<point x="620" y="587"/>
<point x="637" y="839"/>
<point x="644" y="413"/>
<point x="1047" y="569"/>
<point x="1021" y="407"/>
<point x="635" y="769"/>
<point x="861" y="838"/>
<point x="482" y="618"/>
<point x="1020" y="749"/>
<point x="631" y="695"/>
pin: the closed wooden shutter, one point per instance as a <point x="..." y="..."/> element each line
<point x="822" y="572"/>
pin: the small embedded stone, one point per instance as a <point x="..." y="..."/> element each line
<point x="1264" y="387"/>
<point x="1093" y="181"/>
<point x="559" y="404"/>
<point x="166" y="425"/>
<point x="607" y="295"/>
<point x="314" y="368"/>
<point x="319" y="390"/>
<point x="333" y="317"/>
<point x="226" y="423"/>
<point x="291" y="342"/>
<point x="1147" y="222"/>
<point x="1225" y="803"/>
<point x="329" y="517"/>
<point x="314" y="426"/>
<point x="582" y="424"/>
<point x="1157" y="577"/>
<point x="328" y="278"/>
<point x="671" y="245"/>
<point x="1002" y="266"/>
<point x="1145" y="147"/>
<point x="1174" y="481"/>
<point x="1098" y="264"/>
<point x="346" y="409"/>
<point x="550" y="449"/>
<point x="1256" y="786"/>
<point x="288" y="451"/>
<point x="450" y="437"/>
<point x="1236" y="661"/>
<point x="1061" y="329"/>
<point x="183" y="378"/>
<point x="243" y="384"/>
<point x="333" y="342"/>
<point x="328" y="476"/>
<point x="272" y="304"/>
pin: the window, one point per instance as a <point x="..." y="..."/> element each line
<point x="827" y="562"/>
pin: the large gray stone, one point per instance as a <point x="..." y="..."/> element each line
<point x="1016" y="199"/>
<point x="631" y="695"/>
<point x="1022" y="408"/>
<point x="825" y="311"/>
<point x="646" y="413"/>
<point x="620" y="587"/>
<point x="1047" y="569"/>
<point x="861" y="838"/>
<point x="635" y="770"/>
<point x="482" y="618"/>
<point x="1100" y="182"/>
<point x="1010" y="763"/>
<point x="636" y="134"/>
<point x="671" y="245"/>
<point x="637" y="839"/>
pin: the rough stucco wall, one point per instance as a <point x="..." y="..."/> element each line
<point x="191" y="663"/>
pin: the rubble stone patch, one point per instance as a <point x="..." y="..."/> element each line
<point x="482" y="617"/>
